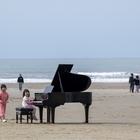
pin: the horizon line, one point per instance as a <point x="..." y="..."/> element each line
<point x="73" y="58"/>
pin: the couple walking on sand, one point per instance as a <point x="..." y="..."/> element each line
<point x="134" y="83"/>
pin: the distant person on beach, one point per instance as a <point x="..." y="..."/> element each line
<point x="3" y="101"/>
<point x="27" y="103"/>
<point x="131" y="82"/>
<point x="20" y="81"/>
<point x="136" y="84"/>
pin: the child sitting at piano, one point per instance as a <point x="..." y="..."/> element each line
<point x="27" y="103"/>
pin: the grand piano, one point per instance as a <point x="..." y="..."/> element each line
<point x="67" y="88"/>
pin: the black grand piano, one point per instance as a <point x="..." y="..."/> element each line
<point x="67" y="88"/>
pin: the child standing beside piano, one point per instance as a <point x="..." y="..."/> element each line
<point x="27" y="103"/>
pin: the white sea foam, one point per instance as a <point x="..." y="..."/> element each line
<point x="97" y="79"/>
<point x="26" y="80"/>
<point x="109" y="80"/>
<point x="104" y="74"/>
<point x="107" y="76"/>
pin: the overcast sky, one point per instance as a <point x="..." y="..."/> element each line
<point x="69" y="28"/>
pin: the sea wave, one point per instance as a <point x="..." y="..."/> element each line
<point x="97" y="79"/>
<point x="105" y="74"/>
<point x="26" y="80"/>
<point x="109" y="80"/>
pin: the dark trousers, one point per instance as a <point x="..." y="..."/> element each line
<point x="131" y="87"/>
<point x="20" y="85"/>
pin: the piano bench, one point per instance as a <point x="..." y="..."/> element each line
<point x="24" y="111"/>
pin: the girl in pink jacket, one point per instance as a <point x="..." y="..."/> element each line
<point x="3" y="101"/>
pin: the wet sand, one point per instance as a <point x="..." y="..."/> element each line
<point x="113" y="115"/>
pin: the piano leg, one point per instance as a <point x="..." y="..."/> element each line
<point x="41" y="113"/>
<point x="48" y="114"/>
<point x="53" y="113"/>
<point x="86" y="112"/>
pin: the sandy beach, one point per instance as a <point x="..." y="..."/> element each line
<point x="113" y="115"/>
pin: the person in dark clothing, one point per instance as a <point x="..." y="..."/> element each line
<point x="136" y="84"/>
<point x="20" y="81"/>
<point x="131" y="82"/>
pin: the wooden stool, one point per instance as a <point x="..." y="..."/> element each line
<point x="24" y="111"/>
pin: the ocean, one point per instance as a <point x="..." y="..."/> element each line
<point x="43" y="70"/>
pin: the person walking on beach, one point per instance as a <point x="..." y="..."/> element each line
<point x="131" y="82"/>
<point x="27" y="103"/>
<point x="3" y="101"/>
<point x="20" y="81"/>
<point x="136" y="84"/>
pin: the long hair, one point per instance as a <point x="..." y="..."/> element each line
<point x="25" y="90"/>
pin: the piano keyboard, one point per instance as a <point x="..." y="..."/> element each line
<point x="37" y="102"/>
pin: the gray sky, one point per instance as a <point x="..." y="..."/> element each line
<point x="69" y="28"/>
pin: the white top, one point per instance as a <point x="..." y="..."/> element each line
<point x="26" y="102"/>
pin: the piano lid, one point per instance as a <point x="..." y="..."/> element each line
<point x="64" y="81"/>
<point x="61" y="69"/>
